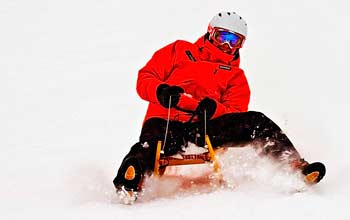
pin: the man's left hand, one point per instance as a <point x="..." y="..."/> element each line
<point x="206" y="107"/>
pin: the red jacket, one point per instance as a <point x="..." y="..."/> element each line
<point x="202" y="70"/>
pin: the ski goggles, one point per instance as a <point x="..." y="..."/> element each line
<point x="222" y="36"/>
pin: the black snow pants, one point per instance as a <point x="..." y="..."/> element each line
<point x="230" y="130"/>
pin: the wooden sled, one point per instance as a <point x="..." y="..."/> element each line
<point x="161" y="161"/>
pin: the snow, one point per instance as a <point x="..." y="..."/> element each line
<point x="69" y="111"/>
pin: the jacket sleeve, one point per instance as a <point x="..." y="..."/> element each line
<point x="236" y="97"/>
<point x="155" y="72"/>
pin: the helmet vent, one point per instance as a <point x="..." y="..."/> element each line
<point x="228" y="13"/>
<point x="220" y="14"/>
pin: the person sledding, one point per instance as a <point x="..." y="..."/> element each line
<point x="202" y="81"/>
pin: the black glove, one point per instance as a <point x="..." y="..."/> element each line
<point x="164" y="91"/>
<point x="206" y="107"/>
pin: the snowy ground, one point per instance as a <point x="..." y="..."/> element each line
<point x="69" y="110"/>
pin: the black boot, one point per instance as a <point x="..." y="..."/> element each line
<point x="314" y="172"/>
<point x="128" y="181"/>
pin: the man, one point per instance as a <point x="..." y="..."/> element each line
<point x="192" y="86"/>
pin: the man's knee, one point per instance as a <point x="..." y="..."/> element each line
<point x="257" y="116"/>
<point x="153" y="129"/>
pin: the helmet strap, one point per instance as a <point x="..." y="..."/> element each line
<point x="236" y="54"/>
<point x="206" y="36"/>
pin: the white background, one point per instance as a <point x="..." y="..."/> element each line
<point x="69" y="111"/>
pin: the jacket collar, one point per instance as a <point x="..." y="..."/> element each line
<point x="209" y="52"/>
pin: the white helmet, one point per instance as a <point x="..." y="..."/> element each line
<point x="230" y="21"/>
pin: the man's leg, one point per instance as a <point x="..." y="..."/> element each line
<point x="140" y="160"/>
<point x="267" y="137"/>
<point x="256" y="128"/>
<point x="237" y="129"/>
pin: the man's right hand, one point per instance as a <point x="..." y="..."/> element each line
<point x="164" y="92"/>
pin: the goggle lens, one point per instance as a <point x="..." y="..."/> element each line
<point x="223" y="36"/>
